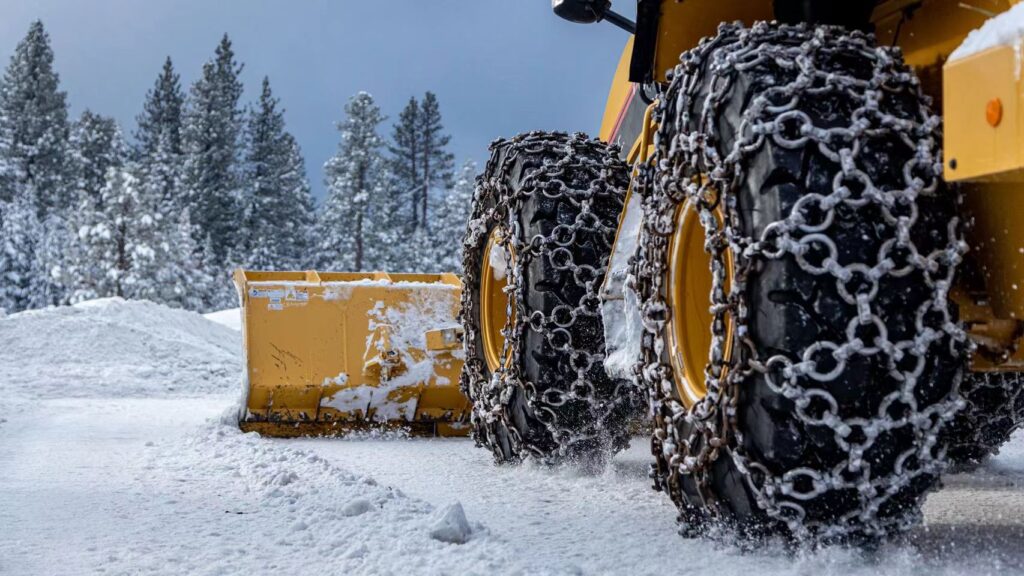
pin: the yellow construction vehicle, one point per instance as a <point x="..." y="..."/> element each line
<point x="782" y="283"/>
<point x="765" y="253"/>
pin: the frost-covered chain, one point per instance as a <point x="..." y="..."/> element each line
<point x="995" y="409"/>
<point x="691" y="166"/>
<point x="498" y="207"/>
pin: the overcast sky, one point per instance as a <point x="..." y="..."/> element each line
<point x="499" y="67"/>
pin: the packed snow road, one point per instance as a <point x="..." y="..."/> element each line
<point x="134" y="470"/>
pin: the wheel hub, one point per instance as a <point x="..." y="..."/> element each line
<point x="495" y="312"/>
<point x="689" y="300"/>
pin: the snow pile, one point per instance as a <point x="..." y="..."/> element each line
<point x="451" y="525"/>
<point x="115" y="348"/>
<point x="276" y="505"/>
<point x="1006" y="29"/>
<point x="230" y="318"/>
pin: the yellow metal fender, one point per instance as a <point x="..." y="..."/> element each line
<point x="329" y="352"/>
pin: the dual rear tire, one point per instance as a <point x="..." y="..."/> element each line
<point x="811" y="158"/>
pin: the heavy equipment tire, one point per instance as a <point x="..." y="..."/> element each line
<point x="551" y="203"/>
<point x="994" y="410"/>
<point x="813" y="160"/>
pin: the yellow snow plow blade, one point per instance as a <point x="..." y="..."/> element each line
<point x="332" y="352"/>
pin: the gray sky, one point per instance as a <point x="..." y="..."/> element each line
<point x="499" y="67"/>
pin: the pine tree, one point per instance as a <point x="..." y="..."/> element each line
<point x="158" y="146"/>
<point x="55" y="262"/>
<point x="21" y="272"/>
<point x="211" y="144"/>
<point x="277" y="204"/>
<point x="301" y="213"/>
<point x="159" y="124"/>
<point x="437" y="162"/>
<point x="34" y="127"/>
<point x="388" y="242"/>
<point x="105" y="235"/>
<point x="355" y="178"/>
<point x="183" y="280"/>
<point x="405" y="160"/>
<point x="452" y="217"/>
<point x="423" y="171"/>
<point x="89" y="250"/>
<point x="95" y="147"/>
<point x="218" y="292"/>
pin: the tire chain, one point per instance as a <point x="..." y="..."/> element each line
<point x="974" y="428"/>
<point x="563" y="155"/>
<point x="688" y="166"/>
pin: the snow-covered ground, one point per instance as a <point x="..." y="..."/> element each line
<point x="131" y="468"/>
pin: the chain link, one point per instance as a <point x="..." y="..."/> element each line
<point x="995" y="409"/>
<point x="689" y="164"/>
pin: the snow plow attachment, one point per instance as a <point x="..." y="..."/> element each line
<point x="332" y="352"/>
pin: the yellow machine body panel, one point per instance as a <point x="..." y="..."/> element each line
<point x="619" y="95"/>
<point x="683" y="24"/>
<point x="331" y="352"/>
<point x="982" y="101"/>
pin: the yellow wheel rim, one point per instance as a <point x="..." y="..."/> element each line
<point x="689" y="299"/>
<point x="494" y="304"/>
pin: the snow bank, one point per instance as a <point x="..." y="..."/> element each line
<point x="1006" y="29"/>
<point x="231" y="318"/>
<point x="116" y="348"/>
<point x="272" y="505"/>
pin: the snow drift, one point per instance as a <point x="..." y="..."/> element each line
<point x="231" y="318"/>
<point x="116" y="348"/>
<point x="276" y="504"/>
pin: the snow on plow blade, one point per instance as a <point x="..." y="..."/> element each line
<point x="332" y="352"/>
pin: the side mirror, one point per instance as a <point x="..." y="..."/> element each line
<point x="591" y="11"/>
<point x="581" y="11"/>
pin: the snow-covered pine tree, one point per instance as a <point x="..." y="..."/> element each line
<point x="20" y="269"/>
<point x="211" y="137"/>
<point x="159" y="124"/>
<point x="388" y="244"/>
<point x="54" y="262"/>
<point x="158" y="141"/>
<point x="452" y="216"/>
<point x="303" y="208"/>
<point x="104" y="234"/>
<point x="183" y="279"/>
<point x="277" y="205"/>
<point x="437" y="162"/>
<point x="179" y="273"/>
<point x="34" y="127"/>
<point x="354" y="180"/>
<point x="95" y="147"/>
<point x="218" y="293"/>
<point x="96" y="150"/>
<point x="423" y="170"/>
<point x="405" y="161"/>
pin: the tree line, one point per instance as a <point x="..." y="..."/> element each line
<point x="206" y="184"/>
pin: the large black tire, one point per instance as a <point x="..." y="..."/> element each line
<point x="555" y="200"/>
<point x="822" y="153"/>
<point x="994" y="410"/>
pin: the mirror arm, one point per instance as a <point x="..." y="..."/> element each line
<point x="620" y="21"/>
